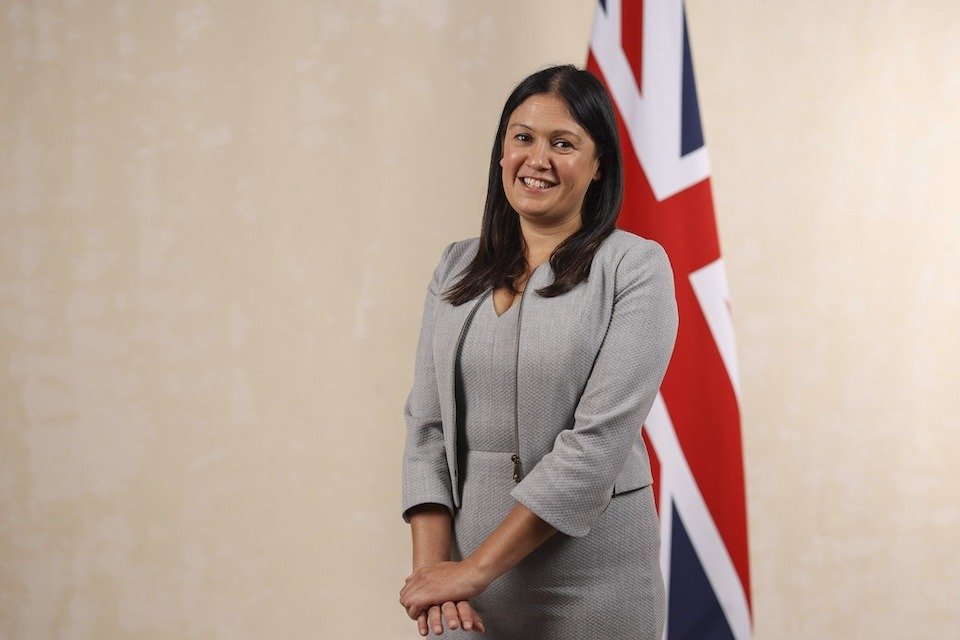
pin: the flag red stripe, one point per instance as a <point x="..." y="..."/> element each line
<point x="631" y="13"/>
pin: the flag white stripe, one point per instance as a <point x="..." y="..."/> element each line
<point x="706" y="539"/>
<point x="710" y="287"/>
<point x="666" y="535"/>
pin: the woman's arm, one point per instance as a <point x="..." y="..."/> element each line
<point x="571" y="485"/>
<point x="425" y="475"/>
<point x="427" y="499"/>
<point x="430" y="528"/>
<point x="518" y="535"/>
<point x="430" y="531"/>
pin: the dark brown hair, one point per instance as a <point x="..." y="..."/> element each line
<point x="500" y="257"/>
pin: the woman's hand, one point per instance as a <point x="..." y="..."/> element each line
<point x="440" y="582"/>
<point x="458" y="615"/>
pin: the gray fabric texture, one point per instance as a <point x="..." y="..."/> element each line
<point x="485" y="382"/>
<point x="588" y="368"/>
<point x="603" y="585"/>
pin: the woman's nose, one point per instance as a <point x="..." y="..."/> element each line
<point x="538" y="158"/>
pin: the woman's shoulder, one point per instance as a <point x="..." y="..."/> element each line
<point x="626" y="249"/>
<point x="459" y="249"/>
<point x="456" y="256"/>
<point x="634" y="261"/>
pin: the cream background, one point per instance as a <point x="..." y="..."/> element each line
<point x="202" y="365"/>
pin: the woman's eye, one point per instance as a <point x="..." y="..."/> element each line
<point x="563" y="144"/>
<point x="522" y="137"/>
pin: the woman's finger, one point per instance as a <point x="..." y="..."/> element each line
<point x="433" y="617"/>
<point x="469" y="618"/>
<point x="449" y="611"/>
<point x="413" y="611"/>
<point x="466" y="614"/>
<point x="422" y="624"/>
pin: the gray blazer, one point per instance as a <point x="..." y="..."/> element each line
<point x="589" y="364"/>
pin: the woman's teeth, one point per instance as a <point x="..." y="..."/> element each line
<point x="533" y="183"/>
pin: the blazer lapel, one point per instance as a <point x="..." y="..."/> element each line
<point x="449" y="330"/>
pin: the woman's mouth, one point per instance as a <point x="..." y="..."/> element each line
<point x="537" y="183"/>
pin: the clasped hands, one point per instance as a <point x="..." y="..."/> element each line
<point x="451" y="584"/>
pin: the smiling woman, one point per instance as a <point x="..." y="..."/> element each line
<point x="525" y="480"/>
<point x="548" y="160"/>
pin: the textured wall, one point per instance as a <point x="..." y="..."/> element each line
<point x="834" y="129"/>
<point x="217" y="221"/>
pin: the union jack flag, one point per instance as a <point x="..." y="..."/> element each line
<point x="640" y="49"/>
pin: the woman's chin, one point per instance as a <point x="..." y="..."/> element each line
<point x="542" y="214"/>
<point x="533" y="208"/>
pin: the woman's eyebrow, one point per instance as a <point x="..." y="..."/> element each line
<point x="565" y="132"/>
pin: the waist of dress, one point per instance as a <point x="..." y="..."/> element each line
<point x="482" y="452"/>
<point x="489" y="470"/>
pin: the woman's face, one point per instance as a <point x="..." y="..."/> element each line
<point x="548" y="161"/>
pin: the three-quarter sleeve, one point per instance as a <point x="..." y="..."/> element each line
<point x="425" y="473"/>
<point x="572" y="484"/>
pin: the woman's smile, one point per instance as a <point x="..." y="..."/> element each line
<point x="537" y="184"/>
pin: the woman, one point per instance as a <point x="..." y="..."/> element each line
<point x="525" y="480"/>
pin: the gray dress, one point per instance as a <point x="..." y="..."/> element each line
<point x="606" y="584"/>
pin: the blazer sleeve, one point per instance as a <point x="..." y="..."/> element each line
<point x="425" y="474"/>
<point x="573" y="483"/>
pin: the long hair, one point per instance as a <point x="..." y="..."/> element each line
<point x="500" y="258"/>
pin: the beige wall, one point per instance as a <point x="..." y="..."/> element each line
<point x="217" y="224"/>
<point x="834" y="130"/>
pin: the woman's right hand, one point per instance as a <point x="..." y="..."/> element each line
<point x="431" y="529"/>
<point x="458" y="615"/>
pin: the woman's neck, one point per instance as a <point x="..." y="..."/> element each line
<point x="540" y="240"/>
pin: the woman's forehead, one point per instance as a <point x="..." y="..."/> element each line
<point x="544" y="111"/>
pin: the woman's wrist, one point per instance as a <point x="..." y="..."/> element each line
<point x="428" y="561"/>
<point x="520" y="533"/>
<point x="481" y="572"/>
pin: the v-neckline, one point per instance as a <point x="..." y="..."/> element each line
<point x="516" y="301"/>
<point x="493" y="304"/>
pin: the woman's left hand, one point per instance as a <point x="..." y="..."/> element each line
<point x="441" y="582"/>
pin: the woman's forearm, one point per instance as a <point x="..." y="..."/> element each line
<point x="521" y="532"/>
<point x="518" y="535"/>
<point x="430" y="529"/>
